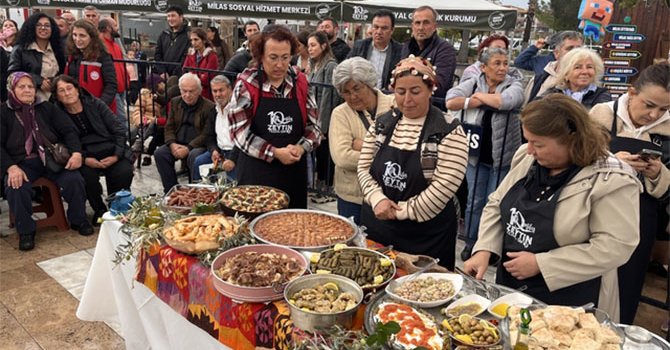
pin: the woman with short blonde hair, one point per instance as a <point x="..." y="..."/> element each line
<point x="579" y="77"/>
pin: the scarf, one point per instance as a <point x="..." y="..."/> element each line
<point x="25" y="113"/>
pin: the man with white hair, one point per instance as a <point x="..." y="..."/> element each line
<point x="185" y="130"/>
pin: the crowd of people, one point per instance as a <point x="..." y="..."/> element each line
<point x="566" y="187"/>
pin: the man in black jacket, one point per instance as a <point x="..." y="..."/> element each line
<point x="173" y="43"/>
<point x="186" y="129"/>
<point x="339" y="46"/>
<point x="426" y="43"/>
<point x="381" y="50"/>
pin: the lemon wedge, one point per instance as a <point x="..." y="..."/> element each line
<point x="322" y="272"/>
<point x="464" y="338"/>
<point x="500" y="309"/>
<point x="384" y="262"/>
<point x="292" y="301"/>
<point x="331" y="285"/>
<point x="445" y="324"/>
<point x="339" y="246"/>
<point x="378" y="280"/>
<point x="489" y="327"/>
<point x="314" y="258"/>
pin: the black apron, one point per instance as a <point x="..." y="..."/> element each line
<point x="400" y="176"/>
<point x="632" y="273"/>
<point x="528" y="225"/>
<point x="279" y="121"/>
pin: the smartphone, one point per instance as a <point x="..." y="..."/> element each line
<point x="647" y="154"/>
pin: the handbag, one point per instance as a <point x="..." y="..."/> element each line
<point x="56" y="155"/>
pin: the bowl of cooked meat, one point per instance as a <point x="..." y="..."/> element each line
<point x="256" y="273"/>
<point x="321" y="301"/>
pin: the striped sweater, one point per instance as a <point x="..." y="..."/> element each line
<point x="443" y="182"/>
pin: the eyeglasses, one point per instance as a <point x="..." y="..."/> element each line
<point x="356" y="90"/>
<point x="43" y="26"/>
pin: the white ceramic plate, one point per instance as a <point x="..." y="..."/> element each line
<point x="518" y="299"/>
<point x="471" y="298"/>
<point x="456" y="279"/>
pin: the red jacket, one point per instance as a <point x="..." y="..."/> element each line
<point x="94" y="77"/>
<point x="115" y="50"/>
<point x="208" y="61"/>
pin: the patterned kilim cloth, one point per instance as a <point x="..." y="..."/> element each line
<point x="182" y="282"/>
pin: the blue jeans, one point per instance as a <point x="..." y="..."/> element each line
<point x="349" y="209"/>
<point x="487" y="177"/>
<point x="206" y="158"/>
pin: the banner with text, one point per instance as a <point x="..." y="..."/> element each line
<point x="461" y="19"/>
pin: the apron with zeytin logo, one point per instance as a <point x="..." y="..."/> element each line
<point x="400" y="176"/>
<point x="278" y="121"/>
<point x="528" y="225"/>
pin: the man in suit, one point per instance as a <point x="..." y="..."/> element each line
<point x="380" y="49"/>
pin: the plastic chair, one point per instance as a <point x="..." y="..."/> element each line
<point x="52" y="206"/>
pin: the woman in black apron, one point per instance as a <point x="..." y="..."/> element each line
<point x="273" y="119"/>
<point x="416" y="215"/>
<point x="639" y="121"/>
<point x="551" y="220"/>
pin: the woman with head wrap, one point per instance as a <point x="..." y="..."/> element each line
<point x="411" y="164"/>
<point x="26" y="124"/>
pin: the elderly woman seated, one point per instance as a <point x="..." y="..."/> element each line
<point x="27" y="125"/>
<point x="103" y="141"/>
<point x="579" y="76"/>
<point x="355" y="80"/>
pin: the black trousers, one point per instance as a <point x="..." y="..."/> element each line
<point x="118" y="176"/>
<point x="165" y="164"/>
<point x="71" y="185"/>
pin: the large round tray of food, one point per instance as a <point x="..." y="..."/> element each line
<point x="199" y="233"/>
<point x="303" y="229"/>
<point x="256" y="273"/>
<point x="183" y="199"/>
<point x="251" y="201"/>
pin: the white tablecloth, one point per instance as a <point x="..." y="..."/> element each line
<point x="146" y="321"/>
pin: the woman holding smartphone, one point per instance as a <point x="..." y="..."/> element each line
<point x="639" y="126"/>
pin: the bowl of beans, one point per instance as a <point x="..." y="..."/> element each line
<point x="428" y="290"/>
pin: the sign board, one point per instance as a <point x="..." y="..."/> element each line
<point x="620" y="70"/>
<point x="630" y="38"/>
<point x="617" y="46"/>
<point x="617" y="88"/>
<point x="621" y="28"/>
<point x="618" y="63"/>
<point x="630" y="54"/>
<point x="615" y="79"/>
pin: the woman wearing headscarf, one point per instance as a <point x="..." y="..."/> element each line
<point x="103" y="140"/>
<point x="38" y="52"/>
<point x="26" y="122"/>
<point x="411" y="164"/>
<point x="356" y="81"/>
